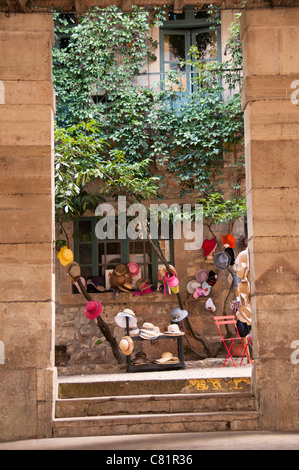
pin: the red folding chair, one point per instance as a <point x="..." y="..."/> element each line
<point x="229" y="343"/>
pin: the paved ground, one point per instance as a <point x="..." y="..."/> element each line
<point x="155" y="442"/>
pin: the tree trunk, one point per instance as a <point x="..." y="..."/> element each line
<point x="104" y="329"/>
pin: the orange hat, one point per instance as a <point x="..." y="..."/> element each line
<point x="229" y="240"/>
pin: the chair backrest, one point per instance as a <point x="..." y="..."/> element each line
<point x="226" y="320"/>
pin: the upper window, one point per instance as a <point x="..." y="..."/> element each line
<point x="181" y="32"/>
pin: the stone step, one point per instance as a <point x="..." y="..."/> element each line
<point x="151" y="384"/>
<point x="156" y="423"/>
<point x="153" y="404"/>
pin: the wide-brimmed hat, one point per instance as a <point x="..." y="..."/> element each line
<point x="173" y="330"/>
<point x="95" y="284"/>
<point x="201" y="275"/>
<point x="143" y="284"/>
<point x="73" y="270"/>
<point x="221" y="260"/>
<point x="167" y="357"/>
<point x="178" y="314"/>
<point x="65" y="256"/>
<point x="120" y="318"/>
<point x="133" y="269"/>
<point x="208" y="246"/>
<point x="229" y="240"/>
<point x="92" y="309"/>
<point x="192" y="286"/>
<point x="148" y="331"/>
<point x="126" y="345"/>
<point x="244" y="315"/>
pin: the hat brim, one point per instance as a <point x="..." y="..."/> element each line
<point x="120" y="320"/>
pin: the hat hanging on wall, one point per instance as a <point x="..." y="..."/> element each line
<point x="65" y="256"/>
<point x="231" y="254"/>
<point x="208" y="246"/>
<point x="192" y="286"/>
<point x="221" y="260"/>
<point x="201" y="275"/>
<point x="73" y="270"/>
<point x="178" y="314"/>
<point x="212" y="278"/>
<point x="229" y="240"/>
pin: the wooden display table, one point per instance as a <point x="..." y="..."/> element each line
<point x="154" y="366"/>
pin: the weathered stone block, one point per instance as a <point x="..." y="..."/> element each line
<point x="26" y="170"/>
<point x="27" y="332"/>
<point x="27" y="219"/>
<point x="22" y="125"/>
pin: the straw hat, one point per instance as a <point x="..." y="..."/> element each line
<point x="126" y="345"/>
<point x="73" y="270"/>
<point x="121" y="278"/>
<point x="65" y="256"/>
<point x="140" y="358"/>
<point x="174" y="330"/>
<point x="244" y="315"/>
<point x="167" y="357"/>
<point x="162" y="271"/>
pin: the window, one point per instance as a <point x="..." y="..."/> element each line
<point x="179" y="33"/>
<point x="99" y="257"/>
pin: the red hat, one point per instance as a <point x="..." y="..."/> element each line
<point x="229" y="240"/>
<point x="208" y="246"/>
<point x="92" y="309"/>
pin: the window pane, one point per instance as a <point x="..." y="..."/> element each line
<point x="85" y="230"/>
<point x="113" y="248"/>
<point x="85" y="253"/>
<point x="207" y="45"/>
<point x="174" y="47"/>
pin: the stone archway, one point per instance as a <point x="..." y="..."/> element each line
<point x="271" y="72"/>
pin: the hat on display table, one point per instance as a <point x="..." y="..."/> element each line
<point x="120" y="318"/>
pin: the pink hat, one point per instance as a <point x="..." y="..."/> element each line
<point x="92" y="309"/>
<point x="134" y="269"/>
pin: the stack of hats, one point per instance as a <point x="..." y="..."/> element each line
<point x="142" y="287"/>
<point x="223" y="259"/>
<point x="149" y="331"/>
<point x="121" y="278"/>
<point x="241" y="268"/>
<point x="121" y="317"/>
<point x="167" y="358"/>
<point x="140" y="359"/>
<point x="202" y="285"/>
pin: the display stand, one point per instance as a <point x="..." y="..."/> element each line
<point x="153" y="366"/>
